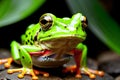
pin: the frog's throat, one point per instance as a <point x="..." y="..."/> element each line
<point x="61" y="45"/>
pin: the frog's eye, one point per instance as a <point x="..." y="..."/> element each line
<point x="84" y="22"/>
<point x="46" y="22"/>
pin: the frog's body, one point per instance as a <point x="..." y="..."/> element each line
<point x="58" y="36"/>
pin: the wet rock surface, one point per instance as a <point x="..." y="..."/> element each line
<point x="55" y="73"/>
<point x="5" y="75"/>
<point x="109" y="62"/>
<point x="112" y="67"/>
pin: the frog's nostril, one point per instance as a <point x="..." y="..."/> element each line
<point x="65" y="26"/>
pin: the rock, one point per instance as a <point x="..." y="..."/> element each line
<point x="111" y="67"/>
<point x="55" y="73"/>
<point x="117" y="78"/>
<point x="4" y="76"/>
<point x="84" y="77"/>
<point x="107" y="56"/>
<point x="110" y="63"/>
<point x="4" y="53"/>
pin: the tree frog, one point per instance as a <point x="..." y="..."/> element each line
<point x="53" y="39"/>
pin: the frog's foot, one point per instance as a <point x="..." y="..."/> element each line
<point x="7" y="62"/>
<point x="45" y="74"/>
<point x="23" y="72"/>
<point x="92" y="73"/>
<point x="72" y="69"/>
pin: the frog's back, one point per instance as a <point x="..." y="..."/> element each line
<point x="30" y="35"/>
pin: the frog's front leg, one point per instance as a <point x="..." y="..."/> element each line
<point x="80" y="54"/>
<point x="21" y="53"/>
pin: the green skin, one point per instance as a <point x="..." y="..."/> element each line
<point x="59" y="35"/>
<point x="57" y="31"/>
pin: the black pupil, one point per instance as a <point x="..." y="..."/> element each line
<point x="44" y="21"/>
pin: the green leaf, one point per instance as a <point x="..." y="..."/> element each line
<point x="12" y="11"/>
<point x="100" y="22"/>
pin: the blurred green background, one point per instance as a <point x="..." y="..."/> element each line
<point x="103" y="20"/>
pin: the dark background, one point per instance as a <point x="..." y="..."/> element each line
<point x="60" y="9"/>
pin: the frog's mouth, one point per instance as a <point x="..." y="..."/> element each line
<point x="63" y="42"/>
<point x="64" y="37"/>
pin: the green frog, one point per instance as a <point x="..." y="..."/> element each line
<point x="51" y="43"/>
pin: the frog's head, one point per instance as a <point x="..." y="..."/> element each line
<point x="53" y="28"/>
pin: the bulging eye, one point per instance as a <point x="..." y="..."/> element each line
<point x="84" y="22"/>
<point x="46" y="22"/>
